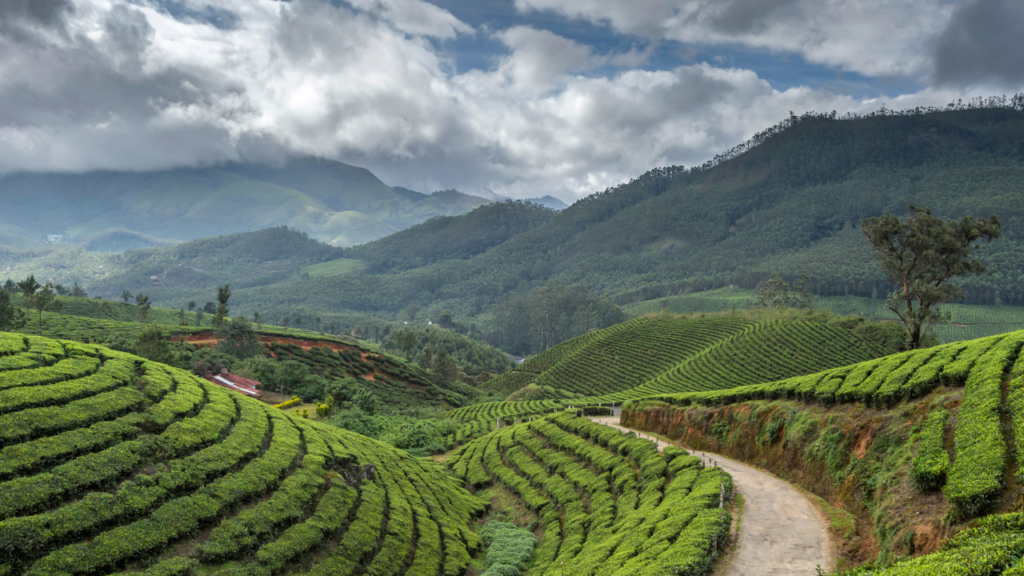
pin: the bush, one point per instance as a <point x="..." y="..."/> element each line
<point x="932" y="462"/>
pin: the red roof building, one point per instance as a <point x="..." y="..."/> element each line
<point x="236" y="383"/>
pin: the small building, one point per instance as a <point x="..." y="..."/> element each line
<point x="236" y="383"/>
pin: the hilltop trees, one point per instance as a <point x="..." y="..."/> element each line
<point x="240" y="339"/>
<point x="406" y="340"/>
<point x="40" y="299"/>
<point x="920" y="255"/>
<point x="531" y="322"/>
<point x="10" y="317"/>
<point x="28" y="287"/>
<point x="776" y="293"/>
<point x="142" y="303"/>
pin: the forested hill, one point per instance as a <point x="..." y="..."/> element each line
<point x="332" y="201"/>
<point x="791" y="204"/>
<point x="451" y="237"/>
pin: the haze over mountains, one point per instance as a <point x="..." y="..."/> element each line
<point x="334" y="202"/>
<point x="790" y="204"/>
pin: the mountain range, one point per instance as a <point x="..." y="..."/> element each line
<point x="790" y="201"/>
<point x="333" y="202"/>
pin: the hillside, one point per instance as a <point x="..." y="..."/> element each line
<point x="607" y="503"/>
<point x="918" y="444"/>
<point x="334" y="202"/>
<point x="110" y="463"/>
<point x="113" y="464"/>
<point x="966" y="321"/>
<point x="670" y="352"/>
<point x="789" y="204"/>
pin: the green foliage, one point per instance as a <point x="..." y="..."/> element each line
<point x="920" y="255"/>
<point x="976" y="479"/>
<point x="932" y="462"/>
<point x="10" y="317"/>
<point x="240" y="340"/>
<point x="509" y="548"/>
<point x="92" y="481"/>
<point x="471" y="355"/>
<point x="418" y="436"/>
<point x="532" y="322"/>
<point x="608" y="503"/>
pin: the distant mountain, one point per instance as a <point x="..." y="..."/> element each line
<point x="791" y="202"/>
<point x="548" y="202"/>
<point x="333" y="202"/>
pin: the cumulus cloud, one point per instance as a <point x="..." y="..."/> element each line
<point x="871" y="37"/>
<point x="103" y="84"/>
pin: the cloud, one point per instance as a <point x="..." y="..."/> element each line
<point x="981" y="45"/>
<point x="540" y="59"/>
<point x="103" y="84"/>
<point x="871" y="37"/>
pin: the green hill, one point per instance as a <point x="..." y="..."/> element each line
<point x="929" y="438"/>
<point x="966" y="321"/>
<point x="111" y="463"/>
<point x="789" y="203"/>
<point x="662" y="352"/>
<point x="333" y="202"/>
<point x="607" y="503"/>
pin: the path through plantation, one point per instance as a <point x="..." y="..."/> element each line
<point x="781" y="533"/>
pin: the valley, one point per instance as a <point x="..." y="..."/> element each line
<point x="695" y="372"/>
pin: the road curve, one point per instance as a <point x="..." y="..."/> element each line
<point x="781" y="533"/>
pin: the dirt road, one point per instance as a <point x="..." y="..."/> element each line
<point x="781" y="533"/>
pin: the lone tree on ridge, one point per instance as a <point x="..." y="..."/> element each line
<point x="920" y="255"/>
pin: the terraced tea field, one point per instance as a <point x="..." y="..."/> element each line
<point x="609" y="504"/>
<point x="111" y="463"/>
<point x="654" y="356"/>
<point x="976" y="478"/>
<point x="967" y="321"/>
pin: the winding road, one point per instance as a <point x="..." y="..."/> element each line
<point x="781" y="533"/>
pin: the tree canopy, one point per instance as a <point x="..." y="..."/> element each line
<point x="921" y="254"/>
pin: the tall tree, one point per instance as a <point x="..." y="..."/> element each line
<point x="28" y="287"/>
<point x="151" y="344"/>
<point x="143" y="304"/>
<point x="199" y="317"/>
<point x="78" y="291"/>
<point x="126" y="296"/>
<point x="223" y="295"/>
<point x="11" y="318"/>
<point x="406" y="340"/>
<point x="191" y="305"/>
<point x="240" y="339"/>
<point x="774" y="293"/>
<point x="921" y="254"/>
<point x="257" y="320"/>
<point x="40" y="300"/>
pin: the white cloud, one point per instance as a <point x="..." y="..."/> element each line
<point x="872" y="37"/>
<point x="108" y="85"/>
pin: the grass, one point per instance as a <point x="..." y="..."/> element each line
<point x="332" y="267"/>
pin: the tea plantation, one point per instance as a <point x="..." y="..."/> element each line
<point x="656" y="355"/>
<point x="608" y="503"/>
<point x="111" y="463"/>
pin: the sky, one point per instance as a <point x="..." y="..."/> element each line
<point x="520" y="98"/>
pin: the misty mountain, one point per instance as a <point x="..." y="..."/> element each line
<point x="333" y="202"/>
